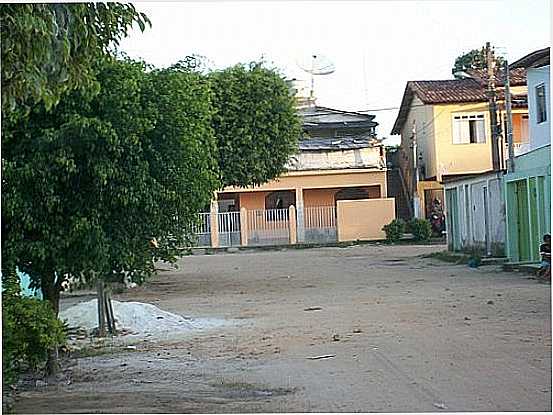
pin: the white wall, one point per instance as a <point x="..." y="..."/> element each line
<point x="540" y="134"/>
<point x="368" y="157"/>
<point x="480" y="225"/>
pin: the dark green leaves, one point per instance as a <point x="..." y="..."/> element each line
<point x="475" y="59"/>
<point x="51" y="48"/>
<point x="87" y="184"/>
<point x="255" y="123"/>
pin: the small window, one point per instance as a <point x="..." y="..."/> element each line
<point x="541" y="109"/>
<point x="280" y="200"/>
<point x="469" y="129"/>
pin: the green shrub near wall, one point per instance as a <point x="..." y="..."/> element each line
<point x="421" y="229"/>
<point x="394" y="230"/>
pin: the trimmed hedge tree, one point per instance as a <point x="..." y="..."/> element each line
<point x="255" y="122"/>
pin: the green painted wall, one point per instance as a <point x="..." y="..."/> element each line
<point x="528" y="204"/>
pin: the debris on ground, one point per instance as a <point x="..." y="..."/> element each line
<point x="336" y="337"/>
<point x="315" y="308"/>
<point x="324" y="356"/>
<point x="135" y="318"/>
<point x="440" y="405"/>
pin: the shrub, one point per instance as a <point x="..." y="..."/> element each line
<point x="394" y="230"/>
<point x="29" y="330"/>
<point x="475" y="259"/>
<point x="421" y="229"/>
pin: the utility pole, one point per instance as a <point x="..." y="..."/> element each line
<point x="509" y="120"/>
<point x="416" y="200"/>
<point x="492" y="100"/>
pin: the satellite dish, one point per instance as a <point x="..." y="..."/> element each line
<point x="315" y="64"/>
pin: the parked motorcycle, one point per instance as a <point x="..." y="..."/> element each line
<point x="437" y="218"/>
<point x="437" y="222"/>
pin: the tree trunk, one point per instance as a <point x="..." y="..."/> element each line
<point x="51" y="293"/>
<point x="101" y="309"/>
<point x="109" y="311"/>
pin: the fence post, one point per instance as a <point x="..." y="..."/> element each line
<point x="214" y="222"/>
<point x="243" y="227"/>
<point x="293" y="225"/>
<point x="338" y="221"/>
<point x="300" y="215"/>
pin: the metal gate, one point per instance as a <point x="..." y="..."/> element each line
<point x="229" y="228"/>
<point x="202" y="230"/>
<point x="320" y="224"/>
<point x="268" y="226"/>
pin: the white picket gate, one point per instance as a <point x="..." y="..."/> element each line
<point x="229" y="228"/>
<point x="202" y="229"/>
<point x="320" y="224"/>
<point x="268" y="226"/>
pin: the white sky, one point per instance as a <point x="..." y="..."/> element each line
<point x="376" y="46"/>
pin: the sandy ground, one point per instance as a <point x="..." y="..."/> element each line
<point x="407" y="334"/>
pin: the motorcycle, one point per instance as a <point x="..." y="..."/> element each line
<point x="437" y="221"/>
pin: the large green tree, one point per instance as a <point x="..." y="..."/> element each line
<point x="474" y="59"/>
<point x="50" y="48"/>
<point x="255" y="122"/>
<point x="87" y="184"/>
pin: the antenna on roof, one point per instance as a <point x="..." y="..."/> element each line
<point x="315" y="64"/>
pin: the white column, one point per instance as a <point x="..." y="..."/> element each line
<point x="214" y="218"/>
<point x="299" y="215"/>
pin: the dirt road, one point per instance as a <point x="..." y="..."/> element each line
<point x="404" y="334"/>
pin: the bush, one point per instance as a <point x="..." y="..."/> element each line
<point x="394" y="230"/>
<point x="29" y="330"/>
<point x="421" y="229"/>
<point x="475" y="259"/>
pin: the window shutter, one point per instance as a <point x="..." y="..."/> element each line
<point x="480" y="131"/>
<point x="457" y="133"/>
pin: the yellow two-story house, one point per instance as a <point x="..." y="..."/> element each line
<point x="445" y="132"/>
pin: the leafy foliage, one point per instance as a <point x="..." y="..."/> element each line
<point x="48" y="49"/>
<point x="421" y="229"/>
<point x="255" y="122"/>
<point x="474" y="59"/>
<point x="29" y="330"/>
<point x="89" y="183"/>
<point x="394" y="230"/>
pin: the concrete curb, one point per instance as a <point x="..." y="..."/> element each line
<point x="238" y="249"/>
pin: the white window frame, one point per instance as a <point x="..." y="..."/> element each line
<point x="460" y="128"/>
<point x="538" y="112"/>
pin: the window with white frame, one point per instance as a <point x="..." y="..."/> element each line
<point x="541" y="110"/>
<point x="469" y="129"/>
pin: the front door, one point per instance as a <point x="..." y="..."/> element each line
<point x="522" y="217"/>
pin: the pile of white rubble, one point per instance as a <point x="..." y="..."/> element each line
<point x="134" y="318"/>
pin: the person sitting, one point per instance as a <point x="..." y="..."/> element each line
<point x="544" y="272"/>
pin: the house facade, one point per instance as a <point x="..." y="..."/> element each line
<point x="336" y="181"/>
<point x="445" y="133"/>
<point x="528" y="188"/>
<point x="505" y="213"/>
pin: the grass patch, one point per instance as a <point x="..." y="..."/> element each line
<point x="447" y="256"/>
<point x="98" y="351"/>
<point x="248" y="390"/>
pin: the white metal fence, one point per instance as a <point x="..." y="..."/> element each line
<point x="202" y="229"/>
<point x="268" y="226"/>
<point x="320" y="224"/>
<point x="229" y="228"/>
